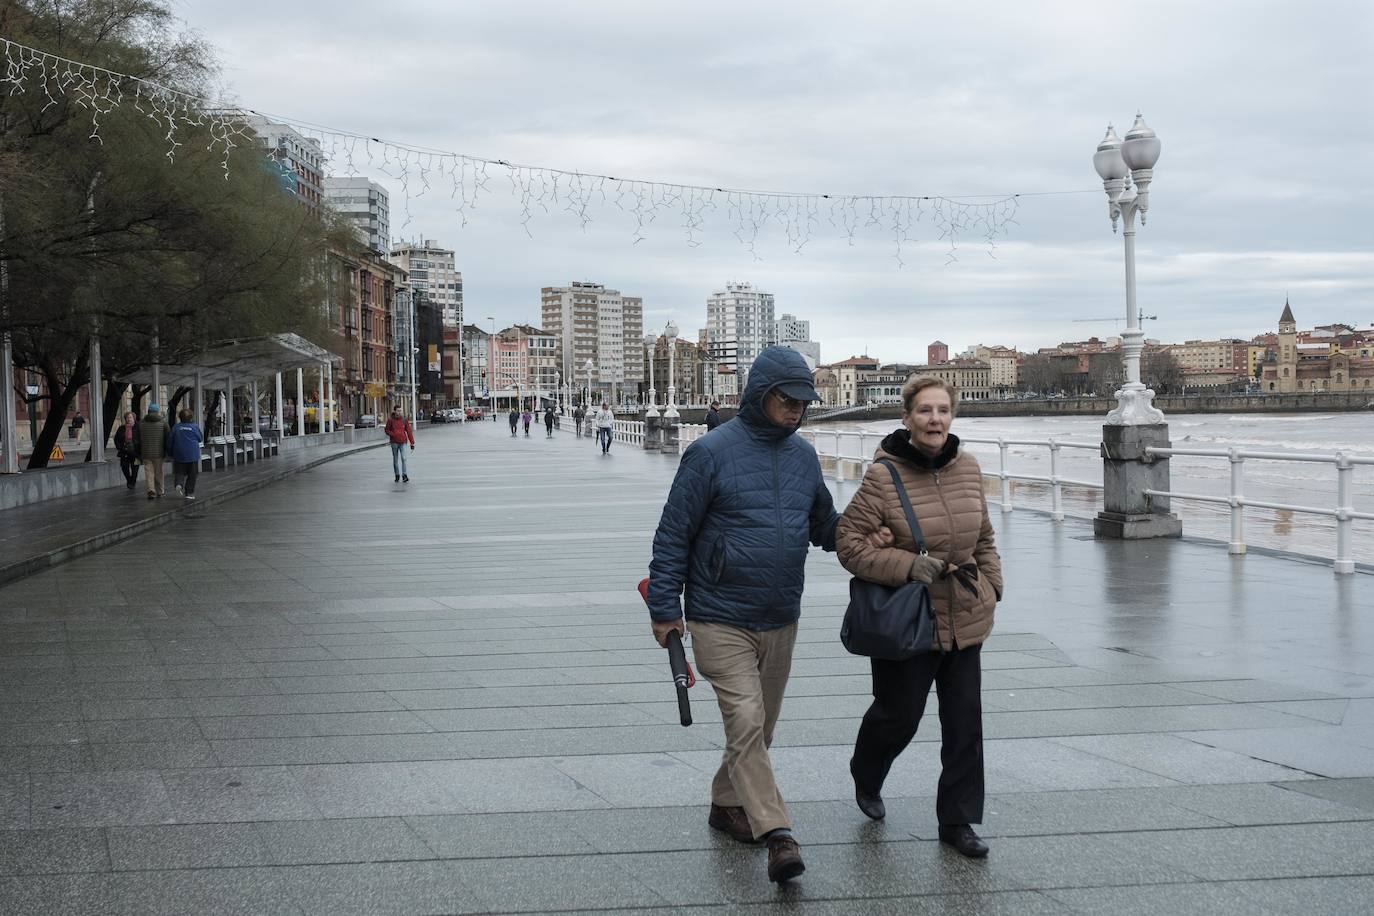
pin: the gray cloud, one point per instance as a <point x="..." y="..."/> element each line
<point x="1262" y="107"/>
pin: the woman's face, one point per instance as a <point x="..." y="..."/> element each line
<point x="929" y="419"/>
<point x="129" y="417"/>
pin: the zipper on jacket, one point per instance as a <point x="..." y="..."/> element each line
<point x="777" y="509"/>
<point x="949" y="580"/>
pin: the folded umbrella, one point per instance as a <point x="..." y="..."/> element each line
<point x="683" y="676"/>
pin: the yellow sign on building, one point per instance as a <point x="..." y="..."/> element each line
<point x="56" y="453"/>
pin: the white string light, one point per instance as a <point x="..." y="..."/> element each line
<point x="535" y="189"/>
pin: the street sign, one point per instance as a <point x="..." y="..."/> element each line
<point x="56" y="453"/>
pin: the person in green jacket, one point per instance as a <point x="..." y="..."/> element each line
<point x="152" y="448"/>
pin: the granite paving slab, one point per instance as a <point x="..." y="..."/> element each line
<point x="443" y="697"/>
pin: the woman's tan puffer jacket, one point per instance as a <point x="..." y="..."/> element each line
<point x="946" y="493"/>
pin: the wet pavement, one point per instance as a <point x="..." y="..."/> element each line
<point x="338" y="694"/>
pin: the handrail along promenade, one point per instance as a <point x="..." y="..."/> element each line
<point x="1344" y="512"/>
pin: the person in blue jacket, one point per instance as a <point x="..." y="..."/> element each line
<point x="747" y="503"/>
<point x="184" y="441"/>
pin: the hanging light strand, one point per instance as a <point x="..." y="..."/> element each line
<point x="536" y="191"/>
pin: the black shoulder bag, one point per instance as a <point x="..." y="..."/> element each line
<point x="888" y="623"/>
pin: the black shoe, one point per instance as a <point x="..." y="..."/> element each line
<point x="871" y="805"/>
<point x="405" y="478"/>
<point x="964" y="840"/>
<point x="398" y="478"/>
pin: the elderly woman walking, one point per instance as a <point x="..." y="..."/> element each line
<point x="964" y="574"/>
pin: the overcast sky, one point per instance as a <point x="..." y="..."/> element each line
<point x="1263" y="189"/>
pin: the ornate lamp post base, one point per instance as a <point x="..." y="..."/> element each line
<point x="1135" y="407"/>
<point x="1128" y="470"/>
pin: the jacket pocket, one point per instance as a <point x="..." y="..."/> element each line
<point x="718" y="559"/>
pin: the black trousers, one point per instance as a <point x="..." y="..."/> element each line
<point x="899" y="699"/>
<point x="128" y="469"/>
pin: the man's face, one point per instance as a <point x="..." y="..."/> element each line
<point x="782" y="410"/>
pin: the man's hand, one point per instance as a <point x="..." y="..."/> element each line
<point x="881" y="538"/>
<point x="663" y="627"/>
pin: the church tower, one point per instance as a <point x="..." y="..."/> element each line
<point x="1288" y="350"/>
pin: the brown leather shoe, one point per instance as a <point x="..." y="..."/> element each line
<point x="733" y="821"/>
<point x="784" y="859"/>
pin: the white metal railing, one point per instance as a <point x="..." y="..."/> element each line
<point x="1003" y="473"/>
<point x="1054" y="479"/>
<point x="1344" y="512"/>
<point x="687" y="433"/>
<point x="630" y="431"/>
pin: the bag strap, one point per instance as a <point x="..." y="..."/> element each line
<point x="906" y="506"/>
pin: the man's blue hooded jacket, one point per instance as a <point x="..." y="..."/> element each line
<point x="747" y="500"/>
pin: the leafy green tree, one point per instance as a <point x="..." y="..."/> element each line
<point x="111" y="235"/>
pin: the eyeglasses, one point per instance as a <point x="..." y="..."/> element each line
<point x="787" y="403"/>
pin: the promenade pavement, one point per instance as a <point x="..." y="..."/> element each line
<point x="338" y="694"/>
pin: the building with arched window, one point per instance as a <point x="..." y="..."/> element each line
<point x="1340" y="362"/>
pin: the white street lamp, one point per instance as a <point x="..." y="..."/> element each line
<point x="491" y="367"/>
<point x="589" y="366"/>
<point x="670" y="332"/>
<point x="1122" y="165"/>
<point x="650" y="341"/>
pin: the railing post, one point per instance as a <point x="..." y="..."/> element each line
<point x="839" y="464"/>
<point x="1237" y="545"/>
<point x="864" y="459"/>
<point x="1002" y="472"/>
<point x="1056" y="495"/>
<point x="1345" y="562"/>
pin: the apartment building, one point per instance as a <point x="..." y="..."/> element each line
<point x="594" y="324"/>
<point x="432" y="270"/>
<point x="739" y="325"/>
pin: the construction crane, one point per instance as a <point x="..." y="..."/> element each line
<point x="1143" y="318"/>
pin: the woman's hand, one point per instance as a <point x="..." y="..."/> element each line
<point x="925" y="568"/>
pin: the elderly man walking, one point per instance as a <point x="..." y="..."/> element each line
<point x="153" y="434"/>
<point x="746" y="503"/>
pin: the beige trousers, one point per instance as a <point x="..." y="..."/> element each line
<point x="152" y="471"/>
<point x="748" y="670"/>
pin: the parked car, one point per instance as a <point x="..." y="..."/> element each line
<point x="473" y="413"/>
<point x="438" y="417"/>
<point x="367" y="421"/>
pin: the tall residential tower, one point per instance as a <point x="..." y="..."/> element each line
<point x="598" y="324"/>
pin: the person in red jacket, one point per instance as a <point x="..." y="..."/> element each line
<point x="399" y="432"/>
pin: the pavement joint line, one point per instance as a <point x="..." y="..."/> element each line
<point x="86" y="546"/>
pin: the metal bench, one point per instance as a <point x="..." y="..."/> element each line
<point x="211" y="455"/>
<point x="223" y="448"/>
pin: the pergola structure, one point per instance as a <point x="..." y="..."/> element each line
<point x="224" y="366"/>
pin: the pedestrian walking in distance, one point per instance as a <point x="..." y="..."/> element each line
<point x="605" y="427"/>
<point x="548" y="423"/>
<point x="126" y="447"/>
<point x="964" y="572"/>
<point x="713" y="416"/>
<point x="152" y="449"/>
<point x="185" y="438"/>
<point x="578" y="416"/>
<point x="744" y="507"/>
<point x="526" y="417"/>
<point x="398" y="430"/>
<point x="514" y="421"/>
